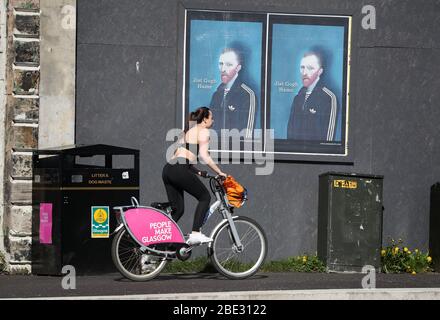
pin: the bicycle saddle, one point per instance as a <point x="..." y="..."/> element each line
<point x="164" y="206"/>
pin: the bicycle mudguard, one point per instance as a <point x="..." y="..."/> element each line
<point x="150" y="226"/>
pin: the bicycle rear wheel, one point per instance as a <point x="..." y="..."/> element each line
<point x="131" y="262"/>
<point x="233" y="262"/>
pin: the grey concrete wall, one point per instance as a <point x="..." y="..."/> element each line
<point x="394" y="108"/>
<point x="57" y="82"/>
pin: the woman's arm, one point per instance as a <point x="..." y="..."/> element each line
<point x="203" y="138"/>
<point x="180" y="141"/>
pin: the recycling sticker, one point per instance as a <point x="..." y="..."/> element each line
<point x="100" y="222"/>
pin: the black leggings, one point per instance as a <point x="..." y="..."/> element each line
<point x="178" y="178"/>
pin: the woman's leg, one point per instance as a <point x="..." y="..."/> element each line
<point x="203" y="196"/>
<point x="175" y="195"/>
<point x="197" y="189"/>
<point x="182" y="178"/>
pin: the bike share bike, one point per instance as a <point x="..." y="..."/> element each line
<point x="147" y="237"/>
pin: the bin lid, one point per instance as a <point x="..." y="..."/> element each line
<point x="436" y="186"/>
<point x="80" y="149"/>
<point x="352" y="174"/>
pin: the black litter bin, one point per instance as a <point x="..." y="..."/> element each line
<point x="350" y="213"/>
<point x="73" y="192"/>
<point x="434" y="226"/>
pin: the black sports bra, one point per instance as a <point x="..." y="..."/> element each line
<point x="190" y="147"/>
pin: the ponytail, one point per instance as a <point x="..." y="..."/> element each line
<point x="197" y="116"/>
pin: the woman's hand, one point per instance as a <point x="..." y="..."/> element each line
<point x="222" y="174"/>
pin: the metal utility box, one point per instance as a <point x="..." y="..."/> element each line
<point x="350" y="214"/>
<point x="434" y="226"/>
<point x="73" y="192"/>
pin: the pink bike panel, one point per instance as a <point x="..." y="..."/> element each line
<point x="149" y="227"/>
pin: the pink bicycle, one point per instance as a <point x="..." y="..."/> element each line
<point x="147" y="237"/>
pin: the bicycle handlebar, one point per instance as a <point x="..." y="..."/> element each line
<point x="206" y="175"/>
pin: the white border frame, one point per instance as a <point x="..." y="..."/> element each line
<point x="268" y="14"/>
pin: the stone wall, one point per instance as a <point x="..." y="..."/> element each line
<point x="3" y="42"/>
<point x="22" y="61"/>
<point x="39" y="109"/>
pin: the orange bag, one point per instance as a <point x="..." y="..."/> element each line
<point x="235" y="192"/>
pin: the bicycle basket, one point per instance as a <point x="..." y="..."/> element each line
<point x="235" y="192"/>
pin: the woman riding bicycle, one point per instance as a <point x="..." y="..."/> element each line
<point x="181" y="175"/>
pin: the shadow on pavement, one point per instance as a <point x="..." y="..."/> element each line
<point x="192" y="276"/>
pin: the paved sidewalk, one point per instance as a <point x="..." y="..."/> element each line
<point x="213" y="286"/>
<point x="328" y="294"/>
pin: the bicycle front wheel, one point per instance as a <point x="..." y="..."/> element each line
<point x="234" y="262"/>
<point x="131" y="262"/>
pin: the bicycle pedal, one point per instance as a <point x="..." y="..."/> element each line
<point x="195" y="244"/>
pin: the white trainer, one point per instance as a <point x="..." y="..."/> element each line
<point x="147" y="263"/>
<point x="198" y="238"/>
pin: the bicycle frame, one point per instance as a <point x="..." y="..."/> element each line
<point x="219" y="193"/>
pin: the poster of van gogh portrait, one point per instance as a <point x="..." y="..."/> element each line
<point x="308" y="78"/>
<point x="224" y="69"/>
